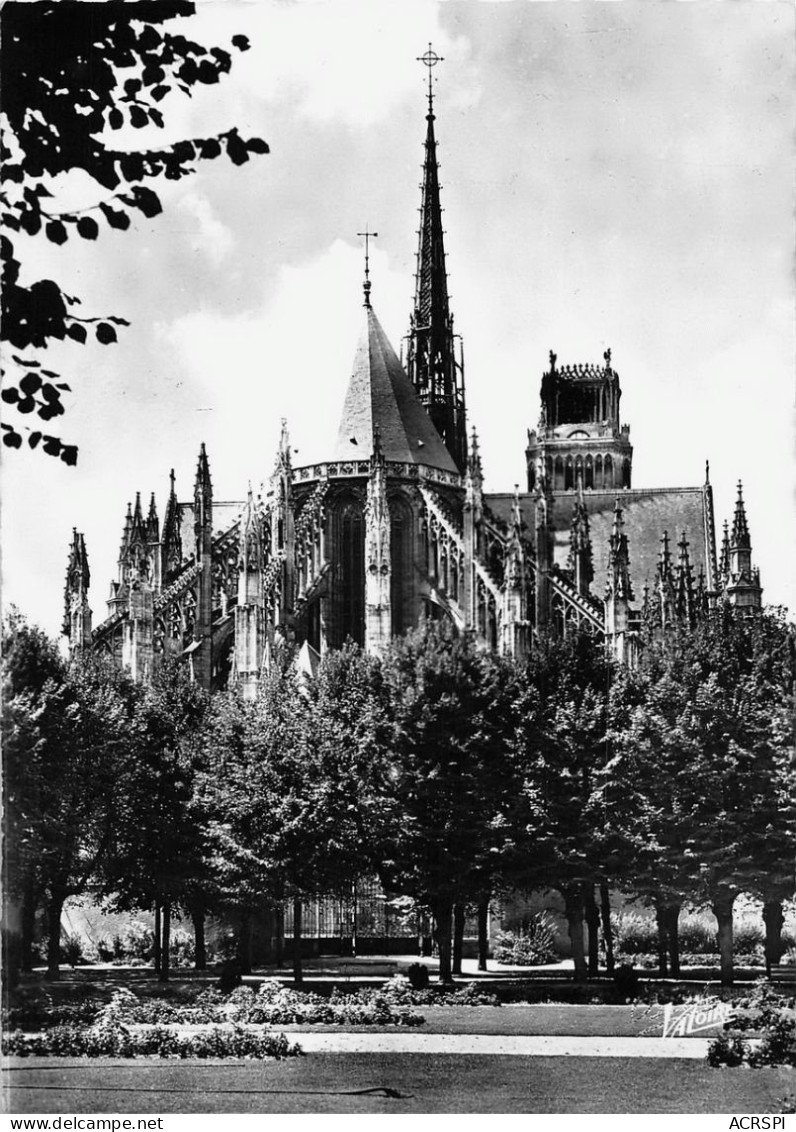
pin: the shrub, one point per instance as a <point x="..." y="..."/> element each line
<point x="138" y="942"/>
<point x="72" y="950"/>
<point x="230" y="975"/>
<point x="766" y="1016"/>
<point x="626" y="980"/>
<point x="727" y="1050"/>
<point x="748" y="938"/>
<point x="635" y="934"/>
<point x="417" y="974"/>
<point x="697" y="935"/>
<point x="533" y="943"/>
<point x="117" y="1041"/>
<point x="470" y="995"/>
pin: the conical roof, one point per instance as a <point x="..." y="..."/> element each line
<point x="380" y="397"/>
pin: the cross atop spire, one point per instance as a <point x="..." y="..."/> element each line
<point x="366" y="285"/>
<point x="430" y="60"/>
<point x="433" y="359"/>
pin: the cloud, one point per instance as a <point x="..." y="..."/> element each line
<point x="290" y="356"/>
<point x="210" y="236"/>
<point x="343" y="62"/>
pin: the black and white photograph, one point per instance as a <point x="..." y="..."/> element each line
<point x="398" y="483"/>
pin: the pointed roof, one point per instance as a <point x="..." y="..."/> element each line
<point x="740" y="528"/>
<point x="431" y="290"/>
<point x="380" y="397"/>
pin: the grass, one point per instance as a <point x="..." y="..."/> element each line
<point x="376" y="1083"/>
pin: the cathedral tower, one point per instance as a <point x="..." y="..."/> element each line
<point x="579" y="429"/>
<point x="433" y="363"/>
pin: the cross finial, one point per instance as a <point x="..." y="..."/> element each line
<point x="366" y="285"/>
<point x="430" y="59"/>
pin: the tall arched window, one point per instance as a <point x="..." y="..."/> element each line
<point x="351" y="561"/>
<point x="402" y="564"/>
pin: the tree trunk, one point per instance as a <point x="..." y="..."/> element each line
<point x="773" y="919"/>
<point x="27" y="925"/>
<point x="483" y="933"/>
<point x="165" y="947"/>
<point x="279" y="926"/>
<point x="673" y="936"/>
<point x="608" y="931"/>
<point x="298" y="971"/>
<point x="200" y="947"/>
<point x="722" y="910"/>
<point x="158" y="930"/>
<point x="573" y="905"/>
<point x="443" y="910"/>
<point x="592" y="917"/>
<point x="54" y="910"/>
<point x="663" y="939"/>
<point x="458" y="937"/>
<point x="244" y="947"/>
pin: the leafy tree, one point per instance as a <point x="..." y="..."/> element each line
<point x="155" y="859"/>
<point x="65" y="745"/>
<point x="563" y="743"/>
<point x="710" y="749"/>
<point x="450" y="781"/>
<point x="31" y="663"/>
<point x="73" y="71"/>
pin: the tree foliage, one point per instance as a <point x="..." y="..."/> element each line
<point x="73" y="73"/>
<point x="450" y="778"/>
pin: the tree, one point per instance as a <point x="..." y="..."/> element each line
<point x="563" y="749"/>
<point x="72" y="71"/>
<point x="155" y="858"/>
<point x="450" y="780"/>
<point x="31" y="661"/>
<point x="66" y="750"/>
<point x="710" y="748"/>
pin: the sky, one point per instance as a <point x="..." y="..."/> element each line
<point x="615" y="174"/>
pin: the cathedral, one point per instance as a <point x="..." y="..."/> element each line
<point x="395" y="526"/>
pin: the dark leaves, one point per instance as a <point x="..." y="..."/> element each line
<point x="138" y="117"/>
<point x="236" y="148"/>
<point x="241" y="42"/>
<point x="116" y="217"/>
<point x="56" y="232"/>
<point x="77" y="332"/>
<point x="105" y="333"/>
<point x="257" y="145"/>
<point x="88" y="228"/>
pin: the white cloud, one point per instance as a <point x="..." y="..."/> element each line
<point x="210" y="236"/>
<point x="290" y="357"/>
<point x="344" y="61"/>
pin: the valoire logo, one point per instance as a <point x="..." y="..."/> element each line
<point x="694" y="1018"/>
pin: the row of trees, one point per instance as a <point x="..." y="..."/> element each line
<point x="451" y="773"/>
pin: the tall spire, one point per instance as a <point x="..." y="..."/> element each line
<point x="580" y="550"/>
<point x="740" y="528"/>
<point x="431" y="360"/>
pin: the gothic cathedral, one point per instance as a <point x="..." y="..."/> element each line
<point x="395" y="526"/>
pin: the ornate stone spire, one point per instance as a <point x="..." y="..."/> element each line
<point x="580" y="562"/>
<point x="172" y="540"/>
<point x="724" y="560"/>
<point x="740" y="528"/>
<point x="619" y="558"/>
<point x="77" y="614"/>
<point x="431" y="360"/>
<point x="742" y="584"/>
<point x="684" y="585"/>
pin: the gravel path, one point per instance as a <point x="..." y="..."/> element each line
<point x="507" y="1044"/>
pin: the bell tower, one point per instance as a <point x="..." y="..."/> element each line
<point x="580" y="435"/>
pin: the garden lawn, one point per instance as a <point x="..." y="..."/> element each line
<point x="393" y="1083"/>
